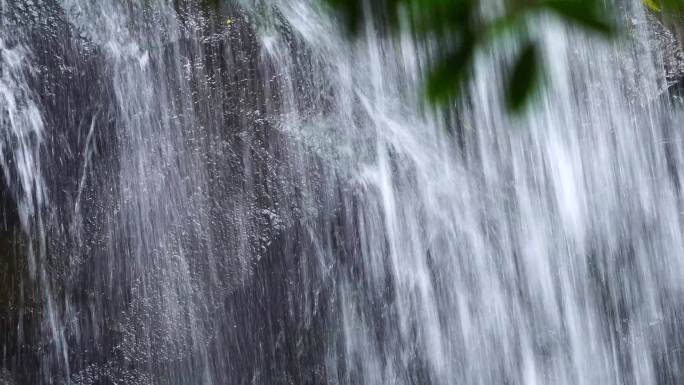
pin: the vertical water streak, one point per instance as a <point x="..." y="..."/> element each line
<point x="544" y="249"/>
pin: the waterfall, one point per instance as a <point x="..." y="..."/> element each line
<point x="242" y="195"/>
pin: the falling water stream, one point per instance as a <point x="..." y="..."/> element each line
<point x="244" y="196"/>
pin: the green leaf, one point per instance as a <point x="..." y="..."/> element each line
<point x="351" y="12"/>
<point x="585" y="13"/>
<point x="446" y="79"/>
<point x="672" y="8"/>
<point x="441" y="17"/>
<point x="459" y="29"/>
<point x="216" y="4"/>
<point x="503" y="25"/>
<point x="653" y="5"/>
<point x="524" y="77"/>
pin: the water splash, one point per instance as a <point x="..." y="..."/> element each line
<point x="248" y="197"/>
<point x="22" y="136"/>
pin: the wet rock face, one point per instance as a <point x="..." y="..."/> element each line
<point x="668" y="40"/>
<point x="6" y="378"/>
<point x="132" y="322"/>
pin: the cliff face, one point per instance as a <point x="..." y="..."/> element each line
<point x="171" y="232"/>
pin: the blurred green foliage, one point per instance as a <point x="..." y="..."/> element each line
<point x="459" y="28"/>
<point x="666" y="8"/>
